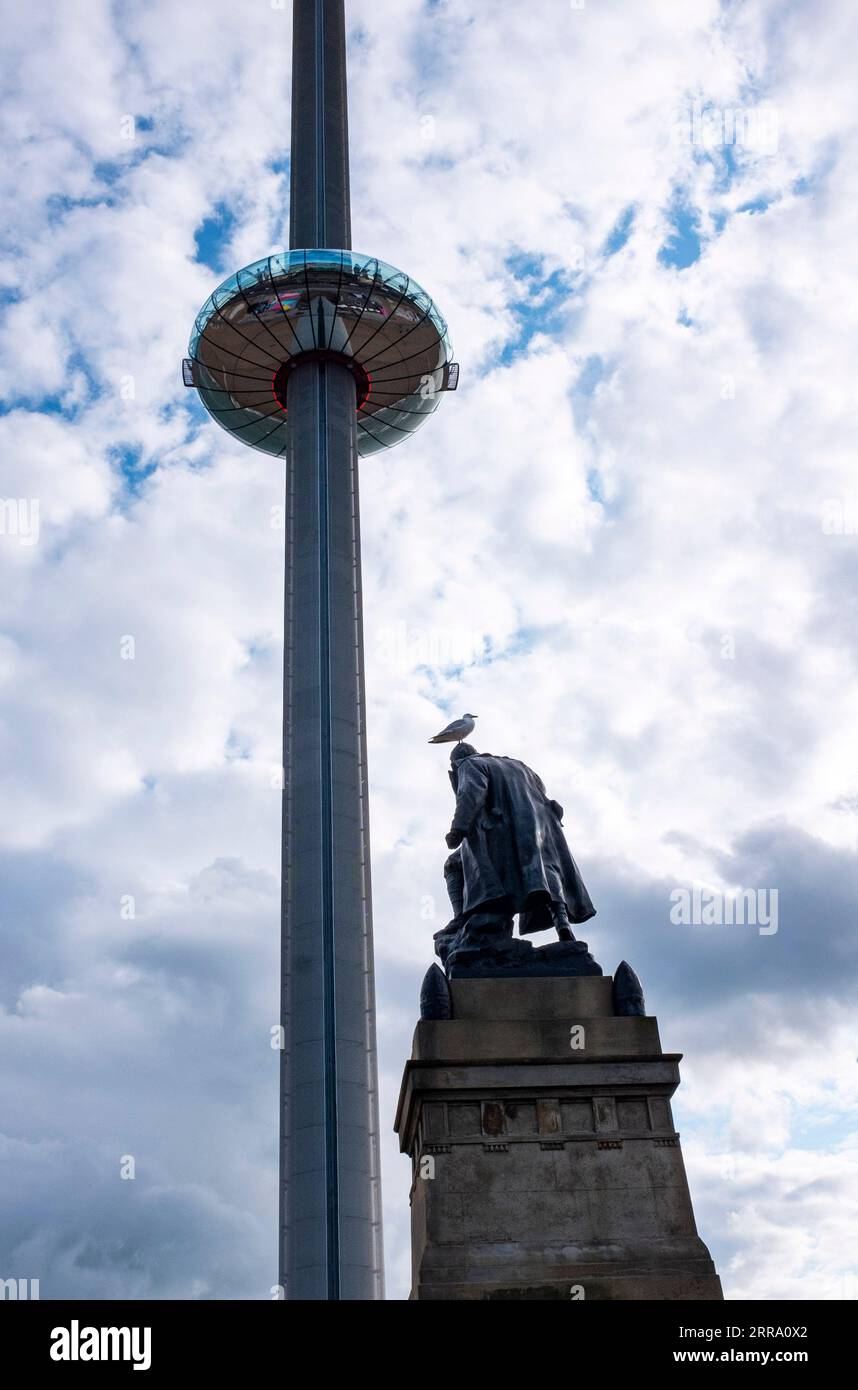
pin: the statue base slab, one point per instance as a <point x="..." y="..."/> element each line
<point x="519" y="958"/>
<point x="544" y="1156"/>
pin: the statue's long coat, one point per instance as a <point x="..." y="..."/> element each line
<point x="514" y="845"/>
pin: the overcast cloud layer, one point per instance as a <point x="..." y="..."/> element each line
<point x="629" y="541"/>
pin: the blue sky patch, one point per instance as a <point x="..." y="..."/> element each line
<point x="621" y="232"/>
<point x="213" y="235"/>
<point x="538" y="301"/>
<point x="684" y="244"/>
<point x="128" y="460"/>
<point x="593" y="370"/>
<point x="595" y="486"/>
<point x="68" y="403"/>
<point x="723" y="158"/>
<point x="759" y="204"/>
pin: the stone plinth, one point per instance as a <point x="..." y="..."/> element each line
<point x="545" y="1160"/>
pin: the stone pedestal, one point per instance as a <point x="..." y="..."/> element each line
<point x="545" y="1160"/>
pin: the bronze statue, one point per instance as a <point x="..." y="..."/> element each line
<point x="509" y="856"/>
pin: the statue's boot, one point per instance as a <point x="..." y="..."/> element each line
<point x="561" y="922"/>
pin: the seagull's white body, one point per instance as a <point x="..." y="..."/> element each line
<point x="458" y="730"/>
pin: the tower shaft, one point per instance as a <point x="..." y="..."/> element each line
<point x="330" y="1220"/>
<point x="319" y="209"/>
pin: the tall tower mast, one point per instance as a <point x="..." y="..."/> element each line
<point x="320" y="355"/>
<point x="330" y="1184"/>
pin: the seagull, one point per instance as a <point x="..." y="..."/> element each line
<point x="455" y="732"/>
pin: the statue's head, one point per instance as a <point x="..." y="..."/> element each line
<point x="462" y="750"/>
<point x="458" y="755"/>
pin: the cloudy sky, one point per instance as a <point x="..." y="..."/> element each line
<point x="629" y="541"/>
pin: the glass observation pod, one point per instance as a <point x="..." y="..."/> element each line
<point x="336" y="306"/>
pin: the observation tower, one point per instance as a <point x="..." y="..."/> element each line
<point x="319" y="355"/>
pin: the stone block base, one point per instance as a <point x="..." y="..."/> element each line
<point x="544" y="1156"/>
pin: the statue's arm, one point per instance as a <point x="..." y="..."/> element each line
<point x="553" y="805"/>
<point x="473" y="788"/>
<point x="454" y="877"/>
